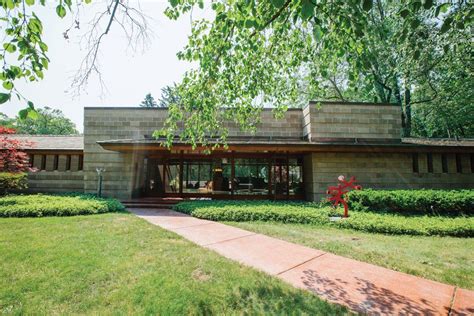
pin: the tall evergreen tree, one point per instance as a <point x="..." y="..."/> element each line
<point x="149" y="102"/>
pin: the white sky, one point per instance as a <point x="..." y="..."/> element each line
<point x="128" y="75"/>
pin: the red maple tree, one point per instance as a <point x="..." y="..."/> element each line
<point x="14" y="162"/>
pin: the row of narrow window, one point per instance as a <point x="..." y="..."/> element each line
<point x="444" y="163"/>
<point x="42" y="164"/>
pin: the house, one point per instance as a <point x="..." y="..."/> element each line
<point x="296" y="157"/>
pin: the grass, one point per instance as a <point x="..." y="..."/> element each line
<point x="116" y="263"/>
<point x="444" y="259"/>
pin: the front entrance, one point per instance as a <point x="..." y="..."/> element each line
<point x="232" y="176"/>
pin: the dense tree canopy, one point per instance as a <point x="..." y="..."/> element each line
<point x="281" y="53"/>
<point x="48" y="121"/>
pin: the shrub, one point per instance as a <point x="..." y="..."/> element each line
<point x="310" y="213"/>
<point x="423" y="202"/>
<point x="9" y="181"/>
<point x="239" y="211"/>
<point x="52" y="205"/>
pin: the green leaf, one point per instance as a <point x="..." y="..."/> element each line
<point x="31" y="105"/>
<point x="442" y="8"/>
<point x="317" y="32"/>
<point x="8" y="85"/>
<point x="173" y="3"/>
<point x="30" y="2"/>
<point x="367" y="5"/>
<point x="4" y="97"/>
<point x="307" y="9"/>
<point x="278" y="3"/>
<point x="446" y="25"/>
<point x="23" y="114"/>
<point x="32" y="114"/>
<point x="416" y="55"/>
<point x="428" y="4"/>
<point x="9" y="47"/>
<point x="404" y="13"/>
<point x="61" y="11"/>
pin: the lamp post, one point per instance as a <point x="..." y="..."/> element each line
<point x="100" y="171"/>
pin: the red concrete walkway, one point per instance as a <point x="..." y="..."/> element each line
<point x="361" y="286"/>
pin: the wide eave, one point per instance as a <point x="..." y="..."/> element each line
<point x="296" y="145"/>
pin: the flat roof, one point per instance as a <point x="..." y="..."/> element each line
<point x="51" y="142"/>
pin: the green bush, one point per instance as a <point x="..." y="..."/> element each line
<point x="423" y="202"/>
<point x="10" y="181"/>
<point x="39" y="205"/>
<point x="310" y="213"/>
<point x="240" y="211"/>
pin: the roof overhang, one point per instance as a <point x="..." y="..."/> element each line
<point x="292" y="146"/>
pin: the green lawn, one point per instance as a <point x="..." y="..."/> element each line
<point x="119" y="264"/>
<point x="445" y="259"/>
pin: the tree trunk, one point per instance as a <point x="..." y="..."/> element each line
<point x="407" y="128"/>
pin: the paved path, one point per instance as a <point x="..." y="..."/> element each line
<point x="361" y="286"/>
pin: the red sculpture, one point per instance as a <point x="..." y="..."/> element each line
<point x="338" y="192"/>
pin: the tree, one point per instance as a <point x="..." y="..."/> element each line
<point x="24" y="53"/>
<point x="14" y="162"/>
<point x="48" y="122"/>
<point x="258" y="53"/>
<point x="149" y="102"/>
<point x="169" y="96"/>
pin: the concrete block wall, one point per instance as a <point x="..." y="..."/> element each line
<point x="290" y="125"/>
<point x="383" y="171"/>
<point x="109" y="124"/>
<point x="352" y="120"/>
<point x="51" y="180"/>
<point x="120" y="178"/>
<point x="55" y="181"/>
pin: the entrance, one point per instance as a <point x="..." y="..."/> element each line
<point x="231" y="176"/>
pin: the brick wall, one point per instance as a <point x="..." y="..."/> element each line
<point x="384" y="171"/>
<point x="351" y="120"/>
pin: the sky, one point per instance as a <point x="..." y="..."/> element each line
<point x="128" y="75"/>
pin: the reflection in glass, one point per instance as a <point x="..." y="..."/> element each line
<point x="172" y="176"/>
<point x="251" y="177"/>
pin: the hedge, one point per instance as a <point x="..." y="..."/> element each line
<point x="9" y="181"/>
<point x="310" y="213"/>
<point x="39" y="205"/>
<point x="423" y="202"/>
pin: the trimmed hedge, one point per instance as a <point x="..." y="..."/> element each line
<point x="423" y="202"/>
<point x="39" y="205"/>
<point x="242" y="211"/>
<point x="311" y="213"/>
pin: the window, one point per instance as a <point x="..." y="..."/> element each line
<point x="429" y="162"/>
<point x="56" y="162"/>
<point x="251" y="177"/>
<point x="31" y="160"/>
<point x="472" y="163"/>
<point x="68" y="162"/>
<point x="444" y="162"/>
<point x="208" y="176"/>
<point x="458" y="163"/>
<point x="172" y="178"/>
<point x="81" y="163"/>
<point x="43" y="162"/>
<point x="416" y="169"/>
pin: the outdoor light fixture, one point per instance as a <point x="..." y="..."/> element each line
<point x="100" y="171"/>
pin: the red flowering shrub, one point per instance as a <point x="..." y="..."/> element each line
<point x="14" y="162"/>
